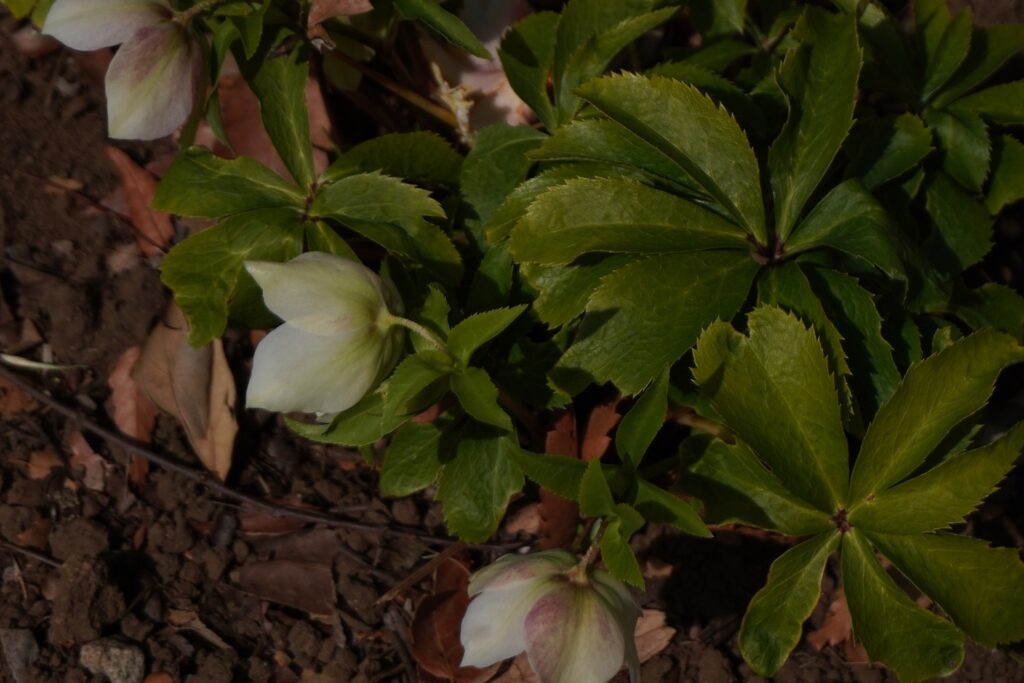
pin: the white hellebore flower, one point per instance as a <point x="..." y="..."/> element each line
<point x="337" y="341"/>
<point x="155" y="78"/>
<point x="575" y="625"/>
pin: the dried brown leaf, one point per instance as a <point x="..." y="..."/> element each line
<point x="133" y="413"/>
<point x="158" y="677"/>
<point x="322" y="10"/>
<point x="41" y="463"/>
<point x="13" y="400"/>
<point x="35" y="536"/>
<point x="558" y="516"/>
<point x="93" y="466"/>
<point x="837" y="629"/>
<point x="601" y="422"/>
<point x="302" y="585"/>
<point x="652" y="634"/>
<point x="153" y="229"/>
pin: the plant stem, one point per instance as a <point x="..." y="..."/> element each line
<point x="578" y="574"/>
<point x="388" y="319"/>
<point x="184" y="18"/>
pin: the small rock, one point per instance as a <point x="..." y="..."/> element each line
<point x="20" y="651"/>
<point x="119" y="662"/>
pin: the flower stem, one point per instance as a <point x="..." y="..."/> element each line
<point x="387" y="319"/>
<point x="578" y="574"/>
<point x="184" y="18"/>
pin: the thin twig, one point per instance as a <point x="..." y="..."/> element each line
<point x="31" y="554"/>
<point x="420" y="573"/>
<point x="206" y="480"/>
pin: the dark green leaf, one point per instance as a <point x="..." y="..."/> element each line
<point x="363" y="424"/>
<point x="980" y="588"/>
<point x="991" y="47"/>
<point x="648" y="313"/>
<point x="720" y="55"/>
<point x="716" y="18"/>
<point x="478" y="482"/>
<point x="412" y="461"/>
<point x="912" y="641"/>
<point x="886" y="148"/>
<point x="774" y="391"/>
<point x="557" y="473"/>
<point x="618" y="216"/>
<point x="1007" y="185"/>
<point x="935" y="395"/>
<point x="944" y="56"/>
<point x="595" y="496"/>
<point x="406" y="390"/>
<point x="479" y="398"/>
<point x="480" y="328"/>
<point x="616" y="554"/>
<point x="201" y="184"/>
<point x="773" y="623"/>
<point x="685" y="125"/>
<point x="206" y="272"/>
<point x="820" y="81"/>
<point x="963" y="228"/>
<point x="444" y="22"/>
<point x="1003" y="104"/>
<point x="641" y="424"/>
<point x="942" y="496"/>
<point x="528" y="54"/>
<point x="658" y="505"/>
<point x="322" y="237"/>
<point x="421" y="157"/>
<point x="992" y="305"/>
<point x="723" y="91"/>
<point x="963" y="139"/>
<point x="565" y="290"/>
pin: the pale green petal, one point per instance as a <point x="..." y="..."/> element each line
<point x="508" y="570"/>
<point x="92" y="24"/>
<point x="492" y="629"/>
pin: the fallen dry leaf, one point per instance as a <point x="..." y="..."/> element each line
<point x="41" y="463"/>
<point x="837" y="629"/>
<point x="93" y="466"/>
<point x="558" y="516"/>
<point x="652" y="634"/>
<point x="36" y="536"/>
<point x="187" y="620"/>
<point x="13" y="400"/>
<point x="133" y="413"/>
<point x="322" y="10"/>
<point x="153" y="229"/>
<point x="158" y="677"/>
<point x="302" y="585"/>
<point x="195" y="385"/>
<point x="601" y="422"/>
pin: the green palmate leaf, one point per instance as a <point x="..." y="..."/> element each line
<point x="565" y="290"/>
<point x="942" y="496"/>
<point x="478" y="329"/>
<point x="514" y="206"/>
<point x="616" y="554"/>
<point x="591" y="59"/>
<point x="479" y="398"/>
<point x="787" y="287"/>
<point x="363" y="424"/>
<point x="773" y="623"/>
<point x="641" y="424"/>
<point x="702" y="139"/>
<point x="528" y="55"/>
<point x="444" y="23"/>
<point x="557" y="473"/>
<point x="412" y="461"/>
<point x="493" y="168"/>
<point x="477" y="483"/>
<point x="852" y="310"/>
<point x="912" y="641"/>
<point x="774" y="391"/>
<point x="991" y="47"/>
<point x="409" y="388"/>
<point x="944" y="55"/>
<point x="391" y="213"/>
<point x="1000" y="104"/>
<point x="616" y="216"/>
<point x="886" y="148"/>
<point x="935" y="395"/>
<point x="434" y="313"/>
<point x="279" y="82"/>
<point x="963" y="226"/>
<point x="491" y="285"/>
<point x="206" y="272"/>
<point x="603" y="141"/>
<point x="201" y="184"/>
<point x="595" y="496"/>
<point x="648" y="313"/>
<point x="965" y="145"/>
<point x="322" y="237"/>
<point x="658" y="505"/>
<point x="250" y="28"/>
<point x="980" y="588"/>
<point x="1007" y="175"/>
<point x="849" y="219"/>
<point x="736" y="488"/>
<point x="992" y="305"/>
<point x="421" y="157"/>
<point x="720" y="89"/>
<point x="820" y="81"/>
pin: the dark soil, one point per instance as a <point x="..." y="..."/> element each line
<point x="163" y="568"/>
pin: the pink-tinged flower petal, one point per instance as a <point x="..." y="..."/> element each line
<point x="572" y="637"/>
<point x="492" y="629"/>
<point x="624" y="608"/>
<point x="509" y="570"/>
<point x="294" y="370"/>
<point x="153" y="83"/>
<point x="92" y="24"/>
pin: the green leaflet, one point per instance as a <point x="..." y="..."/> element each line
<point x="528" y="54"/>
<point x="616" y="554"/>
<point x="557" y="473"/>
<point x="642" y="423"/>
<point x="701" y="138"/>
<point x="849" y="219"/>
<point x="565" y="290"/>
<point x="991" y="47"/>
<point x="658" y="505"/>
<point x="478" y="329"/>
<point x="992" y="305"/>
<point x="935" y="395"/>
<point x="1007" y="184"/>
<point x="479" y="398"/>
<point x="942" y="496"/>
<point x="443" y="22"/>
<point x="595" y="497"/>
<point x="412" y="461"/>
<point x="774" y="391"/>
<point x="820" y="80"/>
<point x="616" y="216"/>
<point x="1003" y="104"/>
<point x="736" y="488"/>
<point x="962" y="233"/>
<point x="420" y="157"/>
<point x="720" y="89"/>
<point x="943" y="53"/>
<point x="206" y="272"/>
<point x="716" y="18"/>
<point x="915" y="643"/>
<point x="228" y="186"/>
<point x="478" y="481"/>
<point x="773" y="623"/>
<point x="964" y="142"/>
<point x="648" y="313"/>
<point x="980" y="588"/>
<point x="886" y="148"/>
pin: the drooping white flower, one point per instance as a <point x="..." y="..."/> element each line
<point x="576" y="626"/>
<point x="156" y="77"/>
<point x="337" y="341"/>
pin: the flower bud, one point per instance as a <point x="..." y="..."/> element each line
<point x="337" y="341"/>
<point x="575" y="625"/>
